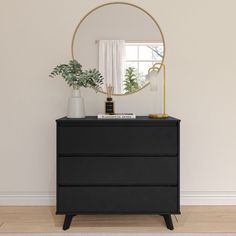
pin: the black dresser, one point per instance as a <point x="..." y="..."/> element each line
<point x="118" y="166"/>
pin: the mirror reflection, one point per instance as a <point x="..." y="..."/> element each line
<point x="122" y="41"/>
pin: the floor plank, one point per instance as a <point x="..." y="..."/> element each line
<point x="193" y="219"/>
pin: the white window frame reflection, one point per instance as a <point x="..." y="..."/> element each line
<point x="140" y="60"/>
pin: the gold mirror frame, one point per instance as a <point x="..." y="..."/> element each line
<point x="124" y="3"/>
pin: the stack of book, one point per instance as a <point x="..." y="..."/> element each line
<point x="117" y="116"/>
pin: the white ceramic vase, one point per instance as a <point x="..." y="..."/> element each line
<point x="76" y="105"/>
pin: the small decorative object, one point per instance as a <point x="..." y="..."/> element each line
<point x="76" y="78"/>
<point x="117" y="116"/>
<point x="152" y="77"/>
<point x="109" y="104"/>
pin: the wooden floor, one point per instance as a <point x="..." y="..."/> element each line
<point x="192" y="219"/>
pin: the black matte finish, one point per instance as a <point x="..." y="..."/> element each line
<point x="67" y="221"/>
<point x="168" y="221"/>
<point x="118" y="166"/>
<point x="117" y="170"/>
<point x="118" y="199"/>
<point x="119" y="140"/>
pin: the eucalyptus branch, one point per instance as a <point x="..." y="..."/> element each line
<point x="75" y="77"/>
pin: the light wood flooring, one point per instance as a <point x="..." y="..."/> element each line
<point x="193" y="219"/>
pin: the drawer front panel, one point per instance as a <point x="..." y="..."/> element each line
<point x="152" y="140"/>
<point x="117" y="200"/>
<point x="117" y="170"/>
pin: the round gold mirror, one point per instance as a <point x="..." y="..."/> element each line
<point x="122" y="41"/>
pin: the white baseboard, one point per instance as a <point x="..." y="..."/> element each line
<point x="208" y="198"/>
<point x="187" y="198"/>
<point x="27" y="199"/>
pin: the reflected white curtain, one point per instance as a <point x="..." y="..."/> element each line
<point x="112" y="62"/>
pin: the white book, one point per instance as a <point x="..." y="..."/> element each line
<point x="117" y="116"/>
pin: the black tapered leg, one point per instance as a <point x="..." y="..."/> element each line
<point x="168" y="221"/>
<point x="67" y="221"/>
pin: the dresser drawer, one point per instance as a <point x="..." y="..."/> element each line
<point x="117" y="200"/>
<point x="149" y="140"/>
<point x="117" y="170"/>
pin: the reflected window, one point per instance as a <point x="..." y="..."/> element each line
<point x="140" y="57"/>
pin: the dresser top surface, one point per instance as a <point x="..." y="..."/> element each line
<point x="137" y="119"/>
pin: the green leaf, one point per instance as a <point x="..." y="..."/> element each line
<point x="76" y="77"/>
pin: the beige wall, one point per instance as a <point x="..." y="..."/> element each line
<point x="201" y="47"/>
